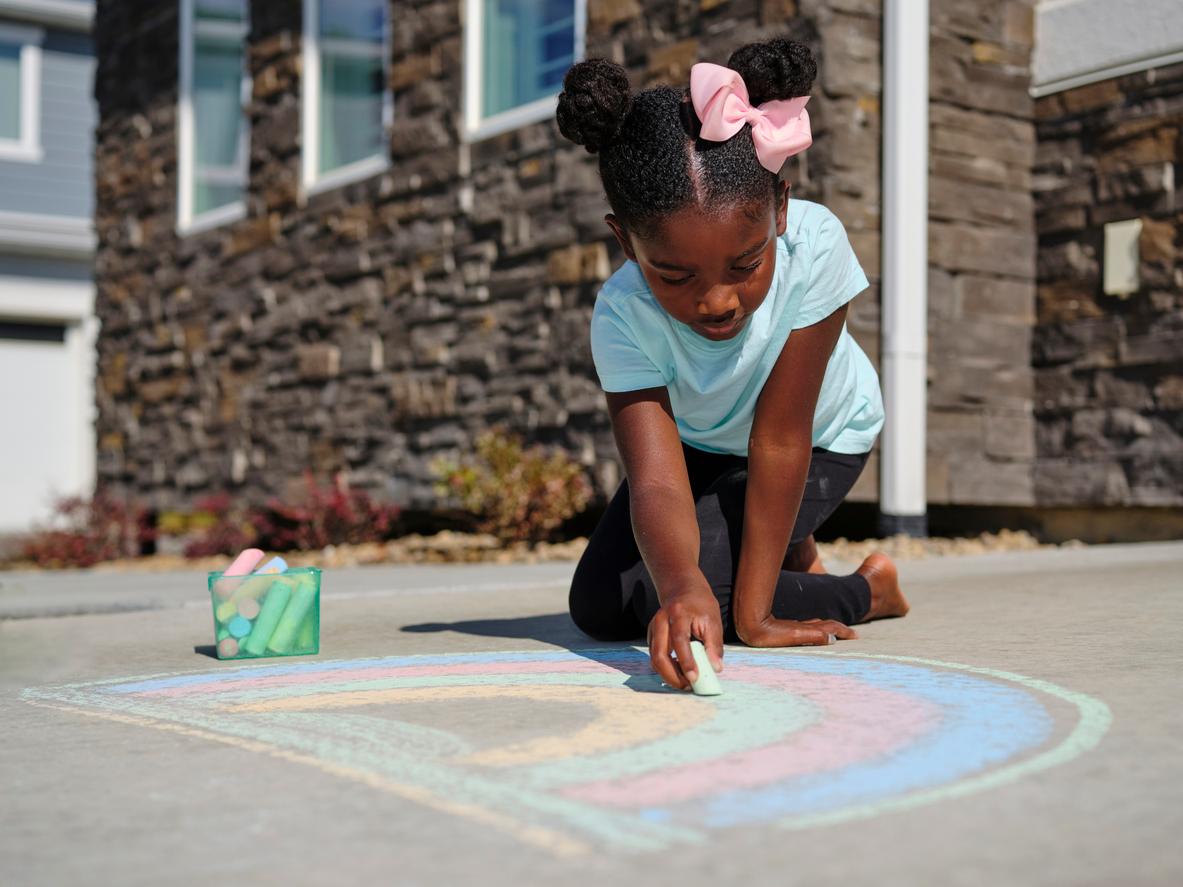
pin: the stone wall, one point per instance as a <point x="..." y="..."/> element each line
<point x="1109" y="369"/>
<point x="981" y="245"/>
<point x="369" y="328"/>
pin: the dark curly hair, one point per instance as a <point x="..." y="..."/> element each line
<point x="652" y="161"/>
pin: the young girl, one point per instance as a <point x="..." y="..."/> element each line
<point x="742" y="408"/>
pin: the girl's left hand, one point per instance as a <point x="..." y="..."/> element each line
<point x="799" y="633"/>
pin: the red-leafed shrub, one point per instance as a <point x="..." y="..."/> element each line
<point x="89" y="531"/>
<point x="516" y="494"/>
<point x="329" y="515"/>
<point x="332" y="514"/>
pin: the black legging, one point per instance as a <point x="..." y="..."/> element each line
<point x="613" y="597"/>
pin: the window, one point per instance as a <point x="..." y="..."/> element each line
<point x="347" y="105"/>
<point x="516" y="53"/>
<point x="212" y="131"/>
<point x="20" y="88"/>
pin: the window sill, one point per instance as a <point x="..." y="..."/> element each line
<point x="213" y="218"/>
<point x="20" y="153"/>
<point x="514" y="118"/>
<point x="345" y="175"/>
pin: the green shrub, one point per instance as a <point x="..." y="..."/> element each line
<point x="220" y="524"/>
<point x="516" y="494"/>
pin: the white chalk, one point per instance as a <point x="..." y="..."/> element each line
<point x="708" y="682"/>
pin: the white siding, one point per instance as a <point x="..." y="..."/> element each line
<point x="46" y="387"/>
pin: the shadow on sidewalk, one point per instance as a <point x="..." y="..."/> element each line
<point x="559" y="630"/>
<point x="553" y="628"/>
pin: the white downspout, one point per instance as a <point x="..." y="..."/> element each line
<point x="904" y="296"/>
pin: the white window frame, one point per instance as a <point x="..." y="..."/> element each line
<point x="477" y="127"/>
<point x="26" y="148"/>
<point x="314" y="181"/>
<point x="187" y="222"/>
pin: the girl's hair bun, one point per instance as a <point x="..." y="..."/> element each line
<point x="594" y="102"/>
<point x="776" y="70"/>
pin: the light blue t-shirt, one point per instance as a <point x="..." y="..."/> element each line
<point x="714" y="385"/>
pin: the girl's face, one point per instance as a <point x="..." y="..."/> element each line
<point x="710" y="271"/>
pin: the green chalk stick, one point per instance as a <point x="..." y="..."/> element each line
<point x="225" y="611"/>
<point x="269" y="615"/>
<point x="708" y="682"/>
<point x="297" y="608"/>
<point x="306" y="642"/>
<point x="223" y="633"/>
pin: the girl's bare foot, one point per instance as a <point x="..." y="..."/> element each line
<point x="803" y="557"/>
<point x="886" y="598"/>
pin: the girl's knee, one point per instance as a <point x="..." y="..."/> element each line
<point x="597" y="609"/>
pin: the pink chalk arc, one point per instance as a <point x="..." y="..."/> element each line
<point x="858" y="735"/>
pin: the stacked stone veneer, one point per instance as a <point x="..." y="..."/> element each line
<point x="369" y="328"/>
<point x="981" y="255"/>
<point x="1109" y="369"/>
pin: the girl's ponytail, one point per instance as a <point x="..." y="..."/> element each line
<point x="596" y="98"/>
<point x="776" y="70"/>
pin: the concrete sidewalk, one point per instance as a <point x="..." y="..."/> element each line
<point x="26" y="595"/>
<point x="1022" y="725"/>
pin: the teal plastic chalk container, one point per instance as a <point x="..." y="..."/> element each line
<point x="272" y="614"/>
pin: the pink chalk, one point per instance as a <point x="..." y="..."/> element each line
<point x="227" y="648"/>
<point x="857" y="722"/>
<point x="248" y="608"/>
<point x="240" y="567"/>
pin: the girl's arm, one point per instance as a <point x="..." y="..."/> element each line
<point x="666" y="530"/>
<point x="779" y="452"/>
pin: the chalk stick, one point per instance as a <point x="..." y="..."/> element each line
<point x="241" y="566"/>
<point x="306" y="640"/>
<point x="297" y="608"/>
<point x="248" y="608"/>
<point x="227" y="648"/>
<point x="225" y="611"/>
<point x="707" y="683"/>
<point x="274" y="604"/>
<point x="259" y="581"/>
<point x="223" y="633"/>
<point x="239" y="627"/>
<point x="275" y="565"/>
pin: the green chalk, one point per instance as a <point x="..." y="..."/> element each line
<point x="225" y="611"/>
<point x="299" y="605"/>
<point x="269" y="615"/>
<point x="307" y="641"/>
<point x="708" y="682"/>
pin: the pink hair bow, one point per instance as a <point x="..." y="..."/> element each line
<point x="780" y="129"/>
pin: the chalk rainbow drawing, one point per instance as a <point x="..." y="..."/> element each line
<point x="798" y="739"/>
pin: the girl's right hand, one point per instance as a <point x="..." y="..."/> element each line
<point x="690" y="612"/>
